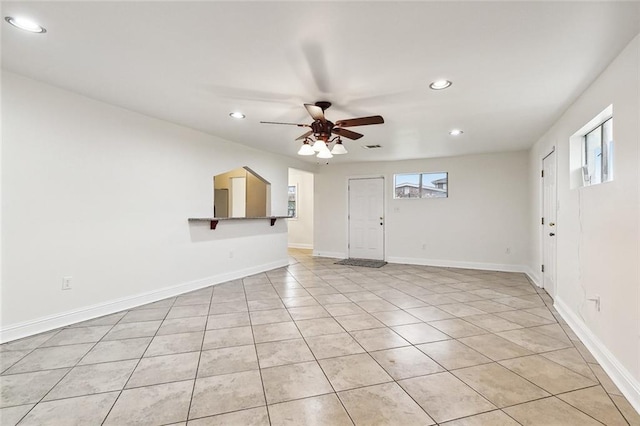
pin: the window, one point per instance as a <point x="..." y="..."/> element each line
<point x="598" y="154"/>
<point x="591" y="151"/>
<point x="421" y="185"/>
<point x="292" y="207"/>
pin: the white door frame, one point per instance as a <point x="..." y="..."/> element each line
<point x="384" y="209"/>
<point x="306" y="214"/>
<point x="542" y="226"/>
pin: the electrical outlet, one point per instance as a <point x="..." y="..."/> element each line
<point x="66" y="283"/>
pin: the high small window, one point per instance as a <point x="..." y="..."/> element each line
<point x="591" y="151"/>
<point x="421" y="185"/>
<point x="597" y="164"/>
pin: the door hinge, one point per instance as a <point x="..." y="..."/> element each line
<point x="543" y="220"/>
<point x="542" y="173"/>
<point x="542" y="268"/>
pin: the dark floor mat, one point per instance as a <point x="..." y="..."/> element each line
<point x="367" y="263"/>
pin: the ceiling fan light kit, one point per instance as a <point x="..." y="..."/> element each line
<point x="318" y="145"/>
<point x="323" y="130"/>
<point x="306" y="149"/>
<point x="325" y="154"/>
<point x="338" y="148"/>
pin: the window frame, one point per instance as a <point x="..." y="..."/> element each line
<point x="421" y="189"/>
<point x="295" y="201"/>
<point x="606" y="152"/>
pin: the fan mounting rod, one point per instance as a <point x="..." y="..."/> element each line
<point x="323" y="104"/>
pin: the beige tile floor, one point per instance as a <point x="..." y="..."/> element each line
<point x="319" y="344"/>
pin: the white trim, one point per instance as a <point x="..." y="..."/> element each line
<point x="458" y="264"/>
<point x="384" y="211"/>
<point x="300" y="246"/>
<point x="623" y="379"/>
<point x="295" y="217"/>
<point x="576" y="149"/>
<point x="39" y="325"/>
<point x="331" y="254"/>
<point x="540" y="282"/>
<point x="533" y="276"/>
<point x="346" y="229"/>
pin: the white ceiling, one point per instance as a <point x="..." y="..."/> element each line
<point x="515" y="66"/>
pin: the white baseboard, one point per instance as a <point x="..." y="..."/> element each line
<point x="534" y="277"/>
<point x="300" y="246"/>
<point x="628" y="385"/>
<point x="458" y="264"/>
<point x="40" y="325"/>
<point x="332" y="254"/>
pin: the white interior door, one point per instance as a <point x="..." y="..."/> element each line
<point x="238" y="197"/>
<point x="549" y="223"/>
<point x="366" y="218"/>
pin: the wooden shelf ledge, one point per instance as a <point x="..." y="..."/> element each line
<point x="213" y="221"/>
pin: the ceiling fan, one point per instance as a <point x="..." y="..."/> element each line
<point x="323" y="129"/>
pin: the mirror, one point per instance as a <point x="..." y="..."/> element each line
<point x="241" y="193"/>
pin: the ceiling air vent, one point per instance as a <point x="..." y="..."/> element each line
<point x="372" y="146"/>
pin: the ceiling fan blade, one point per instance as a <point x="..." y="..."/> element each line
<point x="317" y="62"/>
<point x="288" y="124"/>
<point x="315" y="112"/>
<point x="346" y="133"/>
<point x="306" y="135"/>
<point x="362" y="121"/>
<point x="249" y="94"/>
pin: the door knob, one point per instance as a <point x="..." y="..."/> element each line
<point x="551" y="234"/>
<point x="552" y="224"/>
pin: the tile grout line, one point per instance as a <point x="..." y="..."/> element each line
<point x="137" y="364"/>
<point x="590" y="387"/>
<point x="496" y="362"/>
<point x="253" y="336"/>
<point x="319" y="366"/>
<point x="204" y="334"/>
<point x="66" y="374"/>
<point x="376" y="361"/>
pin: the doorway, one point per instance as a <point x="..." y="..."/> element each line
<point x="300" y="207"/>
<point x="549" y="227"/>
<point x="366" y="218"/>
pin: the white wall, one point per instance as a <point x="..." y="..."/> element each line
<point x="486" y="212"/>
<point x="301" y="228"/>
<point x="598" y="227"/>
<point x="102" y="194"/>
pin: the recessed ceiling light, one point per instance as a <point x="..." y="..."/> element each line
<point x="440" y="84"/>
<point x="456" y="132"/>
<point x="25" y="24"/>
<point x="237" y="115"/>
